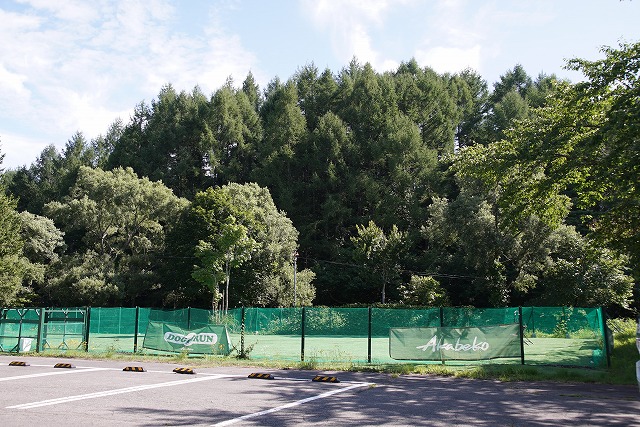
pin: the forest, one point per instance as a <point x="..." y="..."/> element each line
<point x="403" y="188"/>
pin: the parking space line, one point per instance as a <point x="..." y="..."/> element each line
<point x="77" y="366"/>
<point x="57" y="372"/>
<point x="111" y="392"/>
<point x="290" y="405"/>
<point x="151" y="371"/>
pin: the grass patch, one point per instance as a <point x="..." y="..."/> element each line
<point x="625" y="353"/>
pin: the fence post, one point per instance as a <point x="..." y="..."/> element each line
<point x="40" y="345"/>
<point x="188" y="318"/>
<point x="17" y="347"/>
<point x="302" y="336"/>
<point x="242" y="332"/>
<point x="87" y="325"/>
<point x="603" y="326"/>
<point x="369" y="340"/>
<point x="136" y="330"/>
<point x="441" y="316"/>
<point x="521" y="335"/>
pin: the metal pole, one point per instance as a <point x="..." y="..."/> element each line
<point x="136" y="330"/>
<point x="41" y="331"/>
<point x="521" y="335"/>
<point x="603" y="327"/>
<point x="242" y="332"/>
<point x="21" y="314"/>
<point x="87" y="325"/>
<point x="302" y="336"/>
<point x="369" y="341"/>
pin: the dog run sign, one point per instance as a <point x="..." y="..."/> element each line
<point x="211" y="339"/>
<point x="444" y="343"/>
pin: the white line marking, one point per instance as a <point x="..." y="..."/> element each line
<point x="58" y="372"/>
<point x="150" y="371"/>
<point x="77" y="367"/>
<point x="110" y="393"/>
<point x="290" y="405"/>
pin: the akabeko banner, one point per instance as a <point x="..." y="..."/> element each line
<point x="212" y="339"/>
<point x="443" y="343"/>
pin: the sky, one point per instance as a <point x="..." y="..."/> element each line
<point x="70" y="66"/>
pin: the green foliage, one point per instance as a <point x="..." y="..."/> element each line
<point x="287" y="326"/>
<point x="52" y="175"/>
<point x="237" y="131"/>
<point x="584" y="140"/>
<point x="471" y="94"/>
<point x="13" y="265"/>
<point x="324" y="319"/>
<point x="43" y="246"/>
<point x="576" y="149"/>
<point x="480" y="182"/>
<point x="120" y="222"/>
<point x="244" y="352"/>
<point x="423" y="291"/>
<point x="86" y="278"/>
<point x="625" y="352"/>
<point x="170" y="141"/>
<point x="242" y="230"/>
<point x="228" y="249"/>
<point x="380" y="253"/>
<point x="43" y="241"/>
<point x="581" y="274"/>
<point x="533" y="264"/>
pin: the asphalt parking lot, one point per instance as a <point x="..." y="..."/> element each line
<point x="100" y="393"/>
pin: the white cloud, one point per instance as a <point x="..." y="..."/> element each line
<point x="68" y="10"/>
<point x="12" y="84"/>
<point x="479" y="34"/>
<point x="72" y="65"/>
<point x="327" y="11"/>
<point x="19" y="150"/>
<point x="348" y="24"/>
<point x="450" y="59"/>
<point x="88" y="116"/>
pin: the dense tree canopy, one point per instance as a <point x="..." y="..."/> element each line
<point x="581" y="149"/>
<point x="241" y="234"/>
<point x="408" y="187"/>
<point x="116" y="225"/>
<point x="12" y="263"/>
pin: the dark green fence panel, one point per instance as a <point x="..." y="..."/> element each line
<point x="568" y="336"/>
<point x="461" y="317"/>
<point x="18" y="329"/>
<point x="383" y="319"/>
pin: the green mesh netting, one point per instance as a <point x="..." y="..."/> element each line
<point x="384" y="319"/>
<point x="114" y="328"/>
<point x="16" y="324"/>
<point x="64" y="328"/>
<point x="273" y="321"/>
<point x="551" y="335"/>
<point x="468" y="316"/>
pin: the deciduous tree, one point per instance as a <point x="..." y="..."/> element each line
<point x="380" y="253"/>
<point x="13" y="265"/>
<point x="584" y="141"/>
<point x="122" y="220"/>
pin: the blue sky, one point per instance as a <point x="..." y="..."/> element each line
<point x="78" y="65"/>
